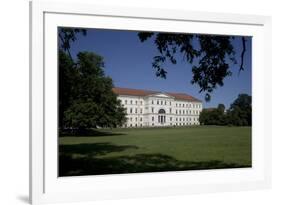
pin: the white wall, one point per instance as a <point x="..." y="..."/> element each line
<point x="14" y="101"/>
<point x="140" y="114"/>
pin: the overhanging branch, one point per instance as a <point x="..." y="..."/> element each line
<point x="242" y="54"/>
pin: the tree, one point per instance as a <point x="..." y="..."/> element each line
<point x="68" y="77"/>
<point x="88" y="101"/>
<point x="240" y="111"/>
<point x="221" y="108"/>
<point x="212" y="55"/>
<point x="214" y="116"/>
<point x="68" y="36"/>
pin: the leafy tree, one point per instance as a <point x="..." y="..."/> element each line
<point x="68" y="77"/>
<point x="212" y="55"/>
<point x="68" y="36"/>
<point x="86" y="96"/>
<point x="240" y="112"/>
<point x="221" y="108"/>
<point x="214" y="116"/>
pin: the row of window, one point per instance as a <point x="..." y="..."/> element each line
<point x="177" y="119"/>
<point x="163" y="102"/>
<point x="180" y="112"/>
<point x="136" y="119"/>
<point x="160" y="102"/>
<point x="189" y="105"/>
<point x="136" y="110"/>
<point x="183" y="112"/>
<point x="131" y="102"/>
<point x="171" y="124"/>
<point x="163" y="119"/>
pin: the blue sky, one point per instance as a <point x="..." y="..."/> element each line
<point x="129" y="63"/>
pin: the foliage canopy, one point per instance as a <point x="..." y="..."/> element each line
<point x="86" y="99"/>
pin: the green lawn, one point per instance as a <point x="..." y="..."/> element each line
<point x="155" y="149"/>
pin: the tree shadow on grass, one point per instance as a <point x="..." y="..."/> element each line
<point x="90" y="150"/>
<point x="91" y="161"/>
<point x="88" y="132"/>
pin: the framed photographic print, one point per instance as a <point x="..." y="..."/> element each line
<point x="133" y="102"/>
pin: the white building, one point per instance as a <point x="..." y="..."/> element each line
<point x="147" y="108"/>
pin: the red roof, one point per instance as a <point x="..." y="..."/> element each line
<point x="138" y="92"/>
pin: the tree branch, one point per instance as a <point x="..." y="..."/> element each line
<point x="242" y="54"/>
<point x="66" y="49"/>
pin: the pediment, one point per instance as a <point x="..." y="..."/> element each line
<point x="161" y="95"/>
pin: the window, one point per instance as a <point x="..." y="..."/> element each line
<point x="131" y="102"/>
<point x="165" y="103"/>
<point x="141" y="110"/>
<point x="126" y="102"/>
<point x="136" y="102"/>
<point x="131" y="125"/>
<point x="171" y="118"/>
<point x="170" y="103"/>
<point x="180" y="111"/>
<point x="131" y="110"/>
<point x="176" y="111"/>
<point x="182" y="105"/>
<point x="136" y="110"/>
<point x="136" y="119"/>
<point x="141" y="102"/>
<point x="180" y="119"/>
<point x="152" y="124"/>
<point x="141" y="119"/>
<point x="179" y="105"/>
<point x="152" y="102"/>
<point x="176" y="104"/>
<point x="170" y="110"/>
<point x="152" y="118"/>
<point x="161" y="102"/>
<point x="157" y="102"/>
<point x="152" y="110"/>
<point x="136" y="125"/>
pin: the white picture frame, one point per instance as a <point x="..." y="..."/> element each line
<point x="46" y="187"/>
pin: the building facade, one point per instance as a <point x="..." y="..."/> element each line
<point x="146" y="108"/>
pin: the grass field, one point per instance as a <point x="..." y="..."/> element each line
<point x="155" y="149"/>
